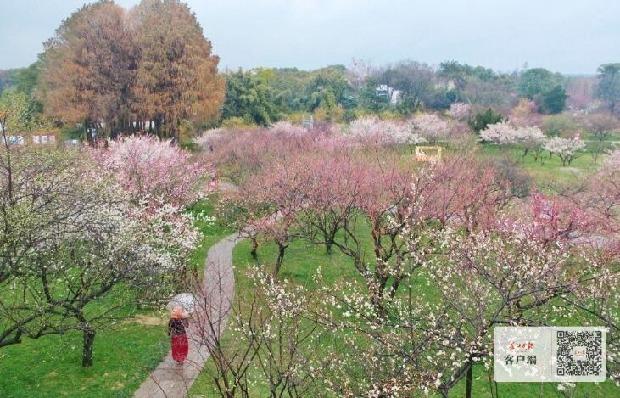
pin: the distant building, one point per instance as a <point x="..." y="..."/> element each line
<point x="308" y="122"/>
<point x="72" y="142"/>
<point x="43" y="139"/>
<point x="390" y="94"/>
<point x="15" y="139"/>
<point x="35" y="138"/>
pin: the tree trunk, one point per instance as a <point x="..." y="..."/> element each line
<point x="254" y="251"/>
<point x="329" y="247"/>
<point x="87" y="349"/>
<point x="280" y="259"/>
<point x="469" y="381"/>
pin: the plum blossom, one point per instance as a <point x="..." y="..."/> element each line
<point x="372" y="129"/>
<point x="431" y="127"/>
<point x="153" y="171"/>
<point x="459" y="111"/>
<point x="505" y="133"/>
<point x="566" y="148"/>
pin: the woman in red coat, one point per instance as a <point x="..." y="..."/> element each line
<point x="178" y="335"/>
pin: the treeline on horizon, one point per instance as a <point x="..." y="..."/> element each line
<point x="343" y="93"/>
<point x="117" y="71"/>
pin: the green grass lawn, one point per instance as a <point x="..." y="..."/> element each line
<point x="124" y="355"/>
<point x="549" y="170"/>
<point x="51" y="365"/>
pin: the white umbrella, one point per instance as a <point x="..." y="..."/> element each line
<point x="185" y="300"/>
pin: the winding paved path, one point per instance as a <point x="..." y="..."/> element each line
<point x="214" y="300"/>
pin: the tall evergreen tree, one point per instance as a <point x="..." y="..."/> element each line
<point x="609" y="85"/>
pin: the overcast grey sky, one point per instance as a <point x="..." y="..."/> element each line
<point x="570" y="36"/>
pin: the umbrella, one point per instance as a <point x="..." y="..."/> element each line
<point x="185" y="300"/>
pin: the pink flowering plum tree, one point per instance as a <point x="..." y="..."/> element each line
<point x="154" y="171"/>
<point x="466" y="192"/>
<point x="268" y="203"/>
<point x="525" y="114"/>
<point x="239" y="154"/>
<point x="330" y="198"/>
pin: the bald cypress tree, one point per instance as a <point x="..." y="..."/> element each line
<point x="176" y="76"/>
<point x="88" y="68"/>
<point x="114" y="70"/>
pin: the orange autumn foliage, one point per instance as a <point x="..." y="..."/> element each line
<point x="118" y="70"/>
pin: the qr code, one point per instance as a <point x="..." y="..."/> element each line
<point x="579" y="353"/>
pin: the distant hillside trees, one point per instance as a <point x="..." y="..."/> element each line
<point x="263" y="96"/>
<point x="609" y="85"/>
<point x="581" y="91"/>
<point x="18" y="112"/>
<point x="483" y="119"/>
<point x="553" y="101"/>
<point x="545" y="88"/>
<point x="22" y="79"/>
<point x="415" y="83"/>
<point x="114" y="70"/>
<point x="250" y="98"/>
<point x="478" y="85"/>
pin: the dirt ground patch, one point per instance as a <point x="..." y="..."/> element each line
<point x="148" y="320"/>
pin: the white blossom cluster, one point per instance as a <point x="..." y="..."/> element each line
<point x="431" y="127"/>
<point x="75" y="236"/>
<point x="532" y="138"/>
<point x="285" y="127"/>
<point x="383" y="131"/>
<point x="202" y="217"/>
<point x="459" y="111"/>
<point x="564" y="146"/>
<point x="505" y="133"/>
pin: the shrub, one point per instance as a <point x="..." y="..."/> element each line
<point x="482" y="119"/>
<point x="520" y="181"/>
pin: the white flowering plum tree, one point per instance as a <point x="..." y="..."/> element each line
<point x="490" y="279"/>
<point x="567" y="149"/>
<point x="372" y="130"/>
<point x="274" y="344"/>
<point x="598" y="301"/>
<point x="431" y="127"/>
<point x="460" y="111"/>
<point x="28" y="221"/>
<point x="73" y="240"/>
<point x="531" y="138"/>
